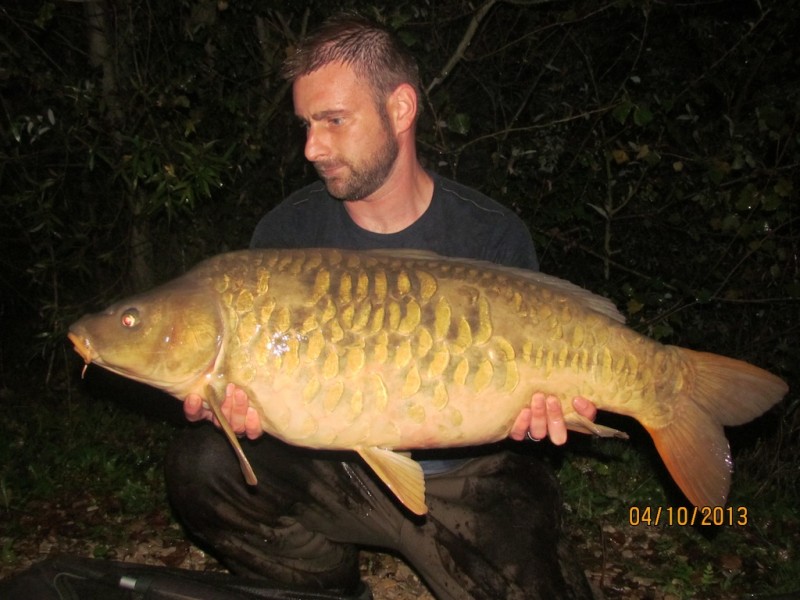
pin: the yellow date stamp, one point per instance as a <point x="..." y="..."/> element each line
<point x="687" y="516"/>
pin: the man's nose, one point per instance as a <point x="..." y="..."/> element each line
<point x="316" y="148"/>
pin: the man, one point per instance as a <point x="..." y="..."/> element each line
<point x="493" y="529"/>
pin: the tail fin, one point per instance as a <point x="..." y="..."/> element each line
<point x="718" y="391"/>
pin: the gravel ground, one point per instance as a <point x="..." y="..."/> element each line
<point x="613" y="556"/>
<point x="86" y="527"/>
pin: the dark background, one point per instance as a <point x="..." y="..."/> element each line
<point x="652" y="148"/>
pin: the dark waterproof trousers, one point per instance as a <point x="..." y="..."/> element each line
<point x="493" y="529"/>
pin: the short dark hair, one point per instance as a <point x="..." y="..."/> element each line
<point x="373" y="52"/>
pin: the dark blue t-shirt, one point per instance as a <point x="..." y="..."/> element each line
<point x="460" y="222"/>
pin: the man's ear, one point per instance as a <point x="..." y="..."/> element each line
<point x="402" y="107"/>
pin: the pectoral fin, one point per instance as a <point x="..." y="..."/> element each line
<point x="213" y="403"/>
<point x="581" y="424"/>
<point x="402" y="475"/>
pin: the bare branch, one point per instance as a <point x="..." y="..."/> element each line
<point x="504" y="132"/>
<point x="472" y="28"/>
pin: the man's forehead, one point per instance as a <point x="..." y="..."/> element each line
<point x="333" y="87"/>
<point x="337" y="69"/>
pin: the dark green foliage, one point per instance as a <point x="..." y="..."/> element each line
<point x="653" y="148"/>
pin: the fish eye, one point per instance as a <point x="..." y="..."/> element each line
<point x="130" y="318"/>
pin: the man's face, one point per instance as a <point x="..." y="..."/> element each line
<point x="349" y="140"/>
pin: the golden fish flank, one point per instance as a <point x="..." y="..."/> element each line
<point x="402" y="329"/>
<point x="374" y="351"/>
<point x="400" y="340"/>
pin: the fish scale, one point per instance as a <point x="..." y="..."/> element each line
<point x="405" y="328"/>
<point x="382" y="351"/>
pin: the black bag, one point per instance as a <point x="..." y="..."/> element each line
<point x="74" y="578"/>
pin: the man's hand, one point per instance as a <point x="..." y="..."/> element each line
<point x="545" y="418"/>
<point x="236" y="408"/>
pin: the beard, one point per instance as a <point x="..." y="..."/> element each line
<point x="360" y="180"/>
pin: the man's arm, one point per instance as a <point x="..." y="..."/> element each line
<point x="543" y="418"/>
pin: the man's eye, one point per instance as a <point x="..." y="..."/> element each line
<point x="336" y="121"/>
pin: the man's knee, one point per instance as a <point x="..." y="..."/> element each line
<point x="196" y="454"/>
<point x="197" y="463"/>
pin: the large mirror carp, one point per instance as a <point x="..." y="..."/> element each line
<point x="384" y="351"/>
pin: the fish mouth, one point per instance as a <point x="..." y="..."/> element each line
<point x="82" y="347"/>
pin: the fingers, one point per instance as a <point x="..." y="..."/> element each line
<point x="234" y="407"/>
<point x="242" y="417"/>
<point x="520" y="427"/>
<point x="193" y="408"/>
<point x="545" y="418"/>
<point x="252" y="424"/>
<point x="556" y="428"/>
<point x="585" y="408"/>
<point x="539" y="425"/>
